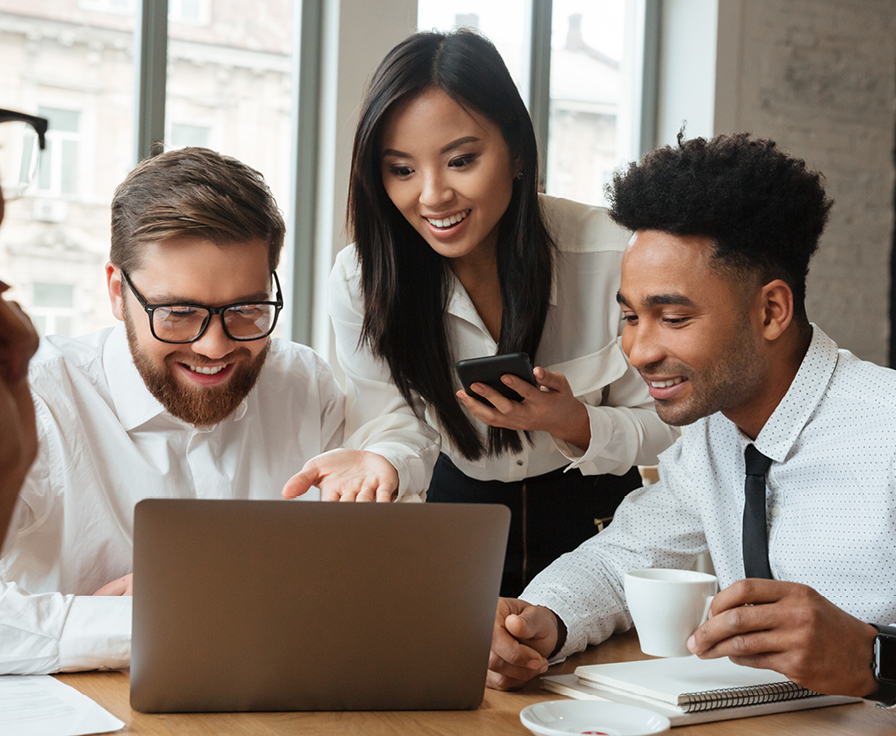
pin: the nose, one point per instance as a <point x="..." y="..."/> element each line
<point x="641" y="344"/>
<point x="436" y="191"/>
<point x="214" y="343"/>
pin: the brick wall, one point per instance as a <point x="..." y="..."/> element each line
<point x="819" y="77"/>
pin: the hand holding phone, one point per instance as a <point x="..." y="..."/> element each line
<point x="489" y="369"/>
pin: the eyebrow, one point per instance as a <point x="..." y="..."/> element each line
<point x="172" y="300"/>
<point x="450" y="147"/>
<point x="657" y="300"/>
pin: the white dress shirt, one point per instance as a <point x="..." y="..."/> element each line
<point x="831" y="503"/>
<point x="580" y="340"/>
<point x="105" y="444"/>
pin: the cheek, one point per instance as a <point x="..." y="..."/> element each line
<point x="398" y="192"/>
<point x="495" y="194"/>
<point x="255" y="348"/>
<point x="627" y="338"/>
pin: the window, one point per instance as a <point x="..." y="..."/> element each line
<point x="183" y="135"/>
<point x="594" y="89"/>
<point x="188" y="11"/>
<point x="59" y="162"/>
<point x="504" y="23"/>
<point x="179" y="11"/>
<point x="124" y="7"/>
<point x="590" y="98"/>
<point x="53" y="310"/>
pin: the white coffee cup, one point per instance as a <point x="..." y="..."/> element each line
<point x="667" y="606"/>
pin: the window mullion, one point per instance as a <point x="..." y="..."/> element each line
<point x="305" y="144"/>
<point x="151" y="64"/>
<point x="540" y="77"/>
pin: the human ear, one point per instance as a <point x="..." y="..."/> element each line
<point x="776" y="302"/>
<point x="113" y="284"/>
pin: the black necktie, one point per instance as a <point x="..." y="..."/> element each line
<point x="755" y="533"/>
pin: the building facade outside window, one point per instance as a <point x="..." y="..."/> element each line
<point x="59" y="164"/>
<point x="71" y="61"/>
<point x="594" y="87"/>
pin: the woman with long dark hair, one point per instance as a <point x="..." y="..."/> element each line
<point x="456" y="255"/>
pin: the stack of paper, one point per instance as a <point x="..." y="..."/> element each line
<point x="40" y="705"/>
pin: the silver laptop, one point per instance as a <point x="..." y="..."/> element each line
<point x="276" y="605"/>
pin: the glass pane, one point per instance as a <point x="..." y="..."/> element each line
<point x="189" y="135"/>
<point x="45" y="175"/>
<point x="503" y="22"/>
<point x="590" y="96"/>
<point x="229" y="75"/>
<point x="53" y="295"/>
<point x="64" y="325"/>
<point x="61" y="121"/>
<point x="72" y="62"/>
<point x="68" y="174"/>
<point x="40" y="323"/>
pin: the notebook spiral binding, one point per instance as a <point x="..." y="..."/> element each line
<point x="732" y="697"/>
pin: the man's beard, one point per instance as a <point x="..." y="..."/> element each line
<point x="199" y="405"/>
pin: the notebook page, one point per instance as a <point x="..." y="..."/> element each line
<point x="669" y="678"/>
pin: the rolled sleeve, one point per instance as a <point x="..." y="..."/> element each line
<point x="97" y="634"/>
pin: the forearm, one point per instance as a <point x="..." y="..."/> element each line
<point x="577" y="430"/>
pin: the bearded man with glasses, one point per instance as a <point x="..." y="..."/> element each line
<point x="190" y="397"/>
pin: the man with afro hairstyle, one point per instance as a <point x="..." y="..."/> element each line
<point x="713" y="297"/>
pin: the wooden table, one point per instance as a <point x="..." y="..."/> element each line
<point x="498" y="714"/>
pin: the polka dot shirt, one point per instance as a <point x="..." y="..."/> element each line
<point x="830" y="500"/>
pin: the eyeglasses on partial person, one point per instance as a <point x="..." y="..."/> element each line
<point x="22" y="138"/>
<point x="185" y="323"/>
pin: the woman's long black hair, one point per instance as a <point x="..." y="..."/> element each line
<point x="404" y="282"/>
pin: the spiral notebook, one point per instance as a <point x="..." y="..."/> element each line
<point x="690" y="690"/>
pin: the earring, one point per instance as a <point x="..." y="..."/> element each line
<point x="520" y="175"/>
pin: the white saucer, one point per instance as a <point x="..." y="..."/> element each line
<point x="563" y="717"/>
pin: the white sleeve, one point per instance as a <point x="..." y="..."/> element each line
<point x="653" y="527"/>
<point x="625" y="429"/>
<point x="377" y="418"/>
<point x="51" y="632"/>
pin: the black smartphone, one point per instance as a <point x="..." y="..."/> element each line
<point x="488" y="370"/>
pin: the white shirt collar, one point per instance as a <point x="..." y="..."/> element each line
<point x="786" y="423"/>
<point x="134" y="405"/>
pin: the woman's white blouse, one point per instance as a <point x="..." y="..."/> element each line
<point x="580" y="340"/>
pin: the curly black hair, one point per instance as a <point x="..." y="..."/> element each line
<point x="764" y="209"/>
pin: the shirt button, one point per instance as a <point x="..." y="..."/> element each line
<point x="520" y="463"/>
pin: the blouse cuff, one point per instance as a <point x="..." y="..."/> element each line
<point x="601" y="430"/>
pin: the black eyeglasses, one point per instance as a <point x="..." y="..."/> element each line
<point x="20" y="144"/>
<point x="184" y="323"/>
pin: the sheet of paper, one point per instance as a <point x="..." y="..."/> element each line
<point x="40" y="705"/>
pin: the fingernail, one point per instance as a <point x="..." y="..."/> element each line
<point x="507" y="379"/>
<point x="543" y="670"/>
<point x="692" y="643"/>
<point x="536" y="664"/>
